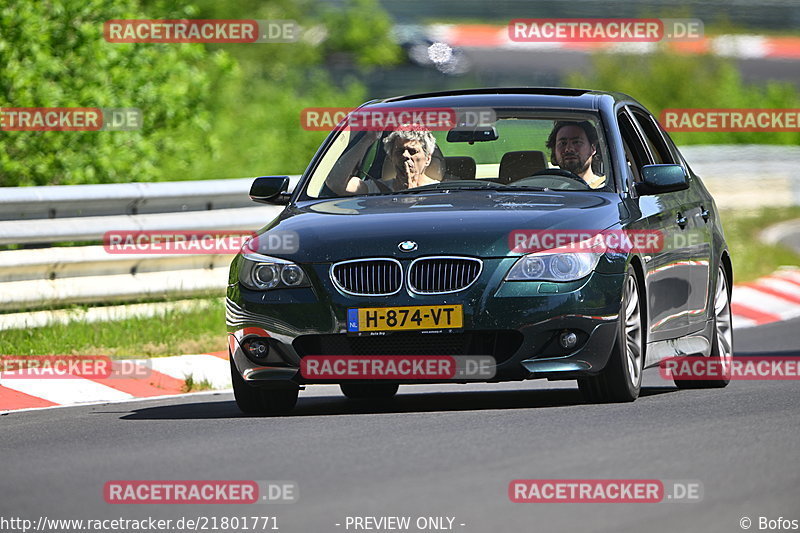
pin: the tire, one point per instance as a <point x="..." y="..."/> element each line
<point x="721" y="339"/>
<point x="621" y="379"/>
<point x="254" y="400"/>
<point x="361" y="391"/>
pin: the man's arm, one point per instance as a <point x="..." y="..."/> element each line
<point x="340" y="179"/>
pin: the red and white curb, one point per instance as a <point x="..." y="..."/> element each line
<point x="739" y="46"/>
<point x="163" y="376"/>
<point x="773" y="298"/>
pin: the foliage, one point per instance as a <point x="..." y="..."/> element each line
<point x="209" y="111"/>
<point x="666" y="80"/>
<point x="53" y="55"/>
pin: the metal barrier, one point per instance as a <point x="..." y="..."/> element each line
<point x="56" y="276"/>
<point x="51" y="277"/>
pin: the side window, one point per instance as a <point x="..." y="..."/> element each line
<point x="635" y="152"/>
<point x="655" y="141"/>
<point x="676" y="154"/>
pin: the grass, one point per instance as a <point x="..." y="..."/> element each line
<point x="752" y="258"/>
<point x="174" y="333"/>
<point x="190" y="385"/>
<point x="203" y="330"/>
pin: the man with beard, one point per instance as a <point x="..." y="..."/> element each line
<point x="573" y="147"/>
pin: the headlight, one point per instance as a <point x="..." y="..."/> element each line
<point x="261" y="272"/>
<point x="543" y="266"/>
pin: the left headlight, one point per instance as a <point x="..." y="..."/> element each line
<point x="543" y="266"/>
<point x="261" y="272"/>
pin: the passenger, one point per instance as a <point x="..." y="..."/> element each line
<point x="409" y="153"/>
<point x="573" y="147"/>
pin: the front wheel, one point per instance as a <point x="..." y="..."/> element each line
<point x="621" y="379"/>
<point x="253" y="400"/>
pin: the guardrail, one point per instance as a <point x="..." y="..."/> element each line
<point x="56" y="276"/>
<point x="52" y="277"/>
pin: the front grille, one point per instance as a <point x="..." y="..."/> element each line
<point x="439" y="275"/>
<point x="368" y="277"/>
<point x="500" y="344"/>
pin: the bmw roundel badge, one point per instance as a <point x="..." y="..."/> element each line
<point x="407" y="246"/>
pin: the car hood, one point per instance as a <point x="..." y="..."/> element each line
<point x="475" y="223"/>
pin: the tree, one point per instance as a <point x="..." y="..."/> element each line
<point x="53" y="54"/>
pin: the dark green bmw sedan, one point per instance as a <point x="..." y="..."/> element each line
<point x="481" y="235"/>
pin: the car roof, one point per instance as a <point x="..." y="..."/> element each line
<point x="543" y="97"/>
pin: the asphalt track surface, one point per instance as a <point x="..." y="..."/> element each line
<point x="433" y="451"/>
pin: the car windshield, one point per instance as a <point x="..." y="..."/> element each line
<point x="515" y="150"/>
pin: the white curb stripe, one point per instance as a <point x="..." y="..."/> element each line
<point x="201" y="367"/>
<point x="782" y="285"/>
<point x="764" y="302"/>
<point x="65" y="391"/>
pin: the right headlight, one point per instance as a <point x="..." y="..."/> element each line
<point x="544" y="266"/>
<point x="261" y="272"/>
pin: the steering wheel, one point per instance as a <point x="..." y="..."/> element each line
<point x="560" y="172"/>
<point x="553" y="178"/>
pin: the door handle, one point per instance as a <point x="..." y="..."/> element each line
<point x="705" y="213"/>
<point x="681" y="220"/>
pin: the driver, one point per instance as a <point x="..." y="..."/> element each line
<point x="573" y="147"/>
<point x="409" y="152"/>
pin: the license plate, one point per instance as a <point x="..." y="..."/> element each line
<point x="421" y="317"/>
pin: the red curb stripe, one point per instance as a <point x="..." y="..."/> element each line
<point x="11" y="399"/>
<point x="759" y="317"/>
<point x="786" y="47"/>
<point x="772" y="291"/>
<point x="155" y="384"/>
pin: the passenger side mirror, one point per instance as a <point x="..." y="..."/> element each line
<point x="270" y="190"/>
<point x="658" y="179"/>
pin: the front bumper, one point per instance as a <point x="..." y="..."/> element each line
<point x="517" y="323"/>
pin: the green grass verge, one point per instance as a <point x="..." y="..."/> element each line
<point x="174" y="333"/>
<point x="203" y="330"/>
<point x="190" y="385"/>
<point x="752" y="258"/>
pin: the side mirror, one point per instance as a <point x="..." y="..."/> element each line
<point x="657" y="179"/>
<point x="270" y="190"/>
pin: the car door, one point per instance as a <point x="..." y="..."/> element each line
<point x="696" y="211"/>
<point x="667" y="273"/>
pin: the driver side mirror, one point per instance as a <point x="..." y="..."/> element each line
<point x="270" y="190"/>
<point x="657" y="179"/>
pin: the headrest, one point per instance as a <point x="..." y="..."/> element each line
<point x="459" y="168"/>
<point x="521" y="164"/>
